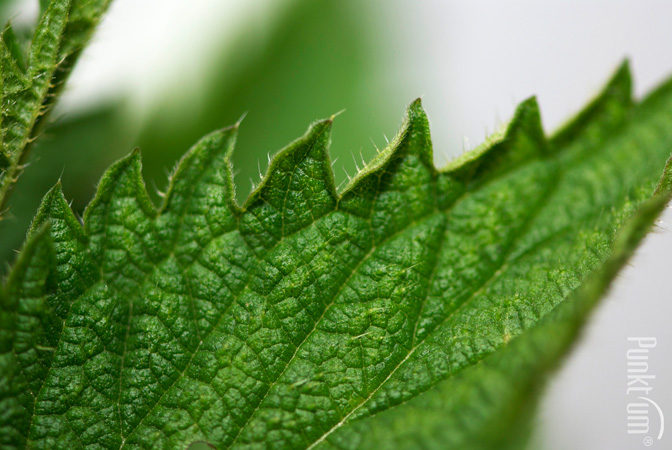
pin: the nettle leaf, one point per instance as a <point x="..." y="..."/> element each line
<point x="30" y="81"/>
<point x="418" y="308"/>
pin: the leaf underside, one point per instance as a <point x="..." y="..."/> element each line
<point x="417" y="308"/>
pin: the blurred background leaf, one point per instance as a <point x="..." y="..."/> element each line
<point x="319" y="58"/>
<point x="312" y="60"/>
<point x="9" y="12"/>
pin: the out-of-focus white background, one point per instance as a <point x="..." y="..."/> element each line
<point x="472" y="61"/>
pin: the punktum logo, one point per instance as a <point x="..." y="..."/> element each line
<point x="644" y="415"/>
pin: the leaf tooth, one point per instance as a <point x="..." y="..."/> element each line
<point x="523" y="140"/>
<point x="55" y="210"/>
<point x="298" y="187"/>
<point x="122" y="180"/>
<point x="413" y="138"/>
<point x="604" y="113"/>
<point x="200" y="202"/>
<point x="74" y="268"/>
<point x="418" y="139"/>
<point x="527" y="120"/>
<point x="122" y="213"/>
<point x="413" y="141"/>
<point x="526" y="125"/>
<point x="210" y="153"/>
<point x="121" y="228"/>
<point x="386" y="192"/>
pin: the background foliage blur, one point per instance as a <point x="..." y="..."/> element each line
<point x="314" y="59"/>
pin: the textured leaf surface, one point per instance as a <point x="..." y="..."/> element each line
<point x="29" y="83"/>
<point x="417" y="308"/>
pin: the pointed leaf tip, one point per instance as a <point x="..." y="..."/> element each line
<point x="297" y="188"/>
<point x="206" y="163"/>
<point x="416" y="105"/>
<point x="523" y="140"/>
<point x="528" y="109"/>
<point x="417" y="137"/>
<point x="321" y="126"/>
<point x="314" y="142"/>
<point x="619" y="86"/>
<point x="55" y="210"/>
<point x="220" y="141"/>
<point x="52" y="201"/>
<point x="413" y="138"/>
<point x="622" y="76"/>
<point x="130" y="164"/>
<point x="416" y="112"/>
<point x="55" y="193"/>
<point x="527" y="119"/>
<point x="122" y="179"/>
<point x="604" y="113"/>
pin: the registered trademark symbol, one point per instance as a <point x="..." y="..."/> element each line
<point x="647" y="441"/>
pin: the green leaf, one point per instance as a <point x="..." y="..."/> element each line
<point x="417" y="308"/>
<point x="30" y="83"/>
